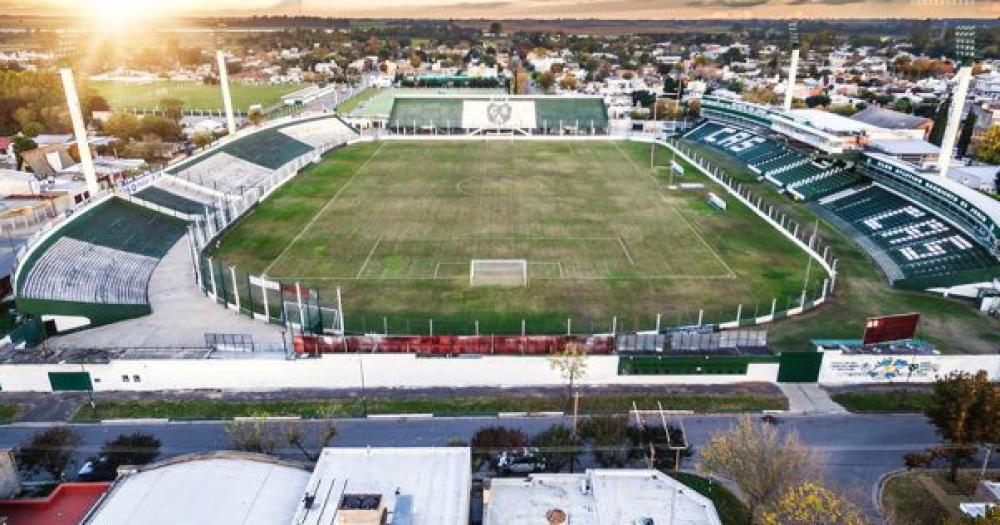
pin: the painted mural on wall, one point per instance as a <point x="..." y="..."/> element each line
<point x="890" y="368"/>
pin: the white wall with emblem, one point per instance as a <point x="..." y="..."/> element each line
<point x="499" y="113"/>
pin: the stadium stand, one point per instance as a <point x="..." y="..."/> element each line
<point x="246" y="161"/>
<point x="584" y="111"/>
<point x="174" y="199"/>
<point x="99" y="260"/>
<point x="471" y="112"/>
<point x="801" y="175"/>
<point x="920" y="244"/>
<point x="426" y="111"/>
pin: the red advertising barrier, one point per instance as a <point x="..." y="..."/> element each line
<point x="450" y="345"/>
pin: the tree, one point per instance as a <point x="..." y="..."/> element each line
<point x="252" y="435"/>
<point x="556" y="446"/>
<point x="812" y="504"/>
<point x="124" y="126"/>
<point x="98" y="103"/>
<point x="571" y="363"/>
<point x="545" y="81"/>
<point x="22" y="143"/>
<point x="203" y="139"/>
<point x="131" y="449"/>
<point x="255" y="116"/>
<point x="610" y="440"/>
<point x="965" y="410"/>
<point x="567" y="82"/>
<point x="496" y="28"/>
<point x="49" y="452"/>
<point x="903" y="105"/>
<point x="311" y="445"/>
<point x="817" y="100"/>
<point x="32" y="129"/>
<point x="164" y="128"/>
<point x="172" y="108"/>
<point x="488" y="442"/>
<point x="759" y="461"/>
<point x="989" y="146"/>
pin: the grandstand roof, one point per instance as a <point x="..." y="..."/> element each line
<point x="888" y="119"/>
<point x="905" y="147"/>
<point x="830" y="122"/>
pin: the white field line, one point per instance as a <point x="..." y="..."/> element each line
<point x="370" y="253"/>
<point x="641" y="277"/>
<point x="625" y="250"/>
<point x="321" y="211"/>
<point x="697" y="234"/>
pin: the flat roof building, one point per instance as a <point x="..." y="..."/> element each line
<point x="401" y="486"/>
<point x="220" y="489"/>
<point x="596" y="497"/>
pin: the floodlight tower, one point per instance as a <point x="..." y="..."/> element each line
<point x="227" y="100"/>
<point x="79" y="131"/>
<point x="793" y="68"/>
<point x="965" y="51"/>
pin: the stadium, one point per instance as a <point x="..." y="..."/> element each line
<point x="473" y="214"/>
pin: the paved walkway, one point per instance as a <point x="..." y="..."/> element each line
<point x="181" y="315"/>
<point x="809" y="398"/>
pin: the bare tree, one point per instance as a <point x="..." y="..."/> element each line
<point x="49" y="452"/>
<point x="759" y="461"/>
<point x="311" y="445"/>
<point x="252" y="435"/>
<point x="571" y="363"/>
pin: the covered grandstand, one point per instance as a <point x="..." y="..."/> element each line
<point x="95" y="267"/>
<point x="480" y="114"/>
<point x="924" y="231"/>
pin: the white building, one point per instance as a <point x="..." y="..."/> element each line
<point x="412" y="486"/>
<point x="222" y="489"/>
<point x="596" y="497"/>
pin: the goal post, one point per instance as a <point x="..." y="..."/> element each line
<point x="498" y="272"/>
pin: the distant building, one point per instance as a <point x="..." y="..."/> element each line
<point x="894" y="120"/>
<point x="597" y="497"/>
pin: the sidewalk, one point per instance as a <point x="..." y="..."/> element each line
<point x="809" y="398"/>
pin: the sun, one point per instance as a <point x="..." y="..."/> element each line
<point x="117" y="16"/>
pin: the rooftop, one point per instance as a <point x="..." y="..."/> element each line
<point x="888" y="119"/>
<point x="222" y="489"/>
<point x="66" y="505"/>
<point x="415" y="486"/>
<point x="597" y="497"/>
<point x="829" y="122"/>
<point x="905" y="147"/>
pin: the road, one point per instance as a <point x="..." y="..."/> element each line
<point x="857" y="449"/>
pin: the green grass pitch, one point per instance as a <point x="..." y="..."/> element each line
<point x="195" y="96"/>
<point x="395" y="225"/>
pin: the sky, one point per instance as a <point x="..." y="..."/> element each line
<point x="490" y="9"/>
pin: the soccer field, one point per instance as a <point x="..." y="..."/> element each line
<point x="396" y="225"/>
<point x="195" y="96"/>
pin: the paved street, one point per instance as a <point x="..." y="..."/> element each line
<point x="858" y="449"/>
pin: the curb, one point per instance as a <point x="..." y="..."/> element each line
<point x="877" y="490"/>
<point x="267" y="418"/>
<point x="530" y="414"/>
<point x="135" y="421"/>
<point x="400" y="416"/>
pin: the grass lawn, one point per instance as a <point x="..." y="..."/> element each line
<point x="349" y="105"/>
<point x="927" y="497"/>
<point x="953" y="326"/>
<point x="731" y="510"/>
<point x="180" y="409"/>
<point x="395" y="225"/>
<point x="195" y="96"/>
<point x="8" y="411"/>
<point x="883" y="401"/>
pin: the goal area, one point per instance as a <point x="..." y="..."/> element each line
<point x="498" y="272"/>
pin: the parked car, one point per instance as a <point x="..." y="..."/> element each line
<point x="524" y="461"/>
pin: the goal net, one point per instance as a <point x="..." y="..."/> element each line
<point x="498" y="272"/>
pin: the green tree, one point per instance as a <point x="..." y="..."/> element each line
<point x="610" y="440"/>
<point x="489" y="442"/>
<point x="131" y="449"/>
<point x="124" y="126"/>
<point x="556" y="446"/>
<point x="22" y="143"/>
<point x="172" y="108"/>
<point x="965" y="410"/>
<point x="165" y="128"/>
<point x="203" y="139"/>
<point x="49" y="452"/>
<point x="32" y="129"/>
<point x="545" y="81"/>
<point x="989" y="147"/>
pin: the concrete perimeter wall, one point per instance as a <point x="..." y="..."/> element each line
<point x="344" y="371"/>
<point x="849" y="369"/>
